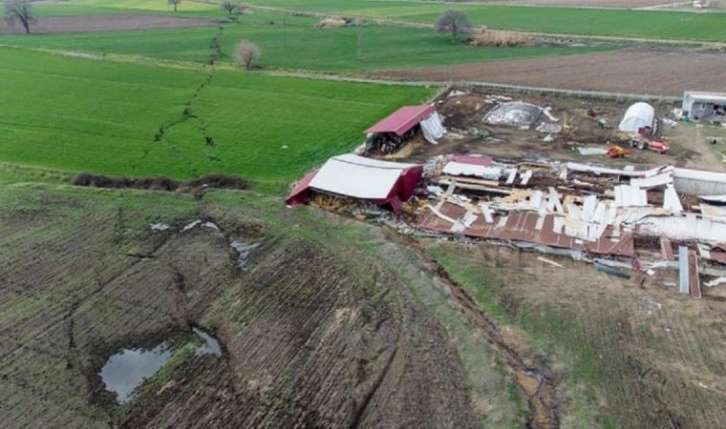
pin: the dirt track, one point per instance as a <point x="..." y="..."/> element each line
<point x="93" y="23"/>
<point x="636" y="71"/>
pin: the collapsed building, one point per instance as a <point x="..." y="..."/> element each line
<point x="622" y="220"/>
<point x="379" y="182"/>
<point x="393" y="131"/>
<point x="615" y="218"/>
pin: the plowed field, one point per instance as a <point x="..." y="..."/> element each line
<point x="311" y="337"/>
<point x="638" y="72"/>
<point x="93" y="23"/>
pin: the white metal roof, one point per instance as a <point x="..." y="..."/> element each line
<point x="706" y="96"/>
<point x="358" y="177"/>
<point x="462" y="169"/>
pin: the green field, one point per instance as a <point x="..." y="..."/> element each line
<point x="559" y="20"/>
<point x="83" y="115"/>
<point x="291" y="42"/>
<point x="583" y="21"/>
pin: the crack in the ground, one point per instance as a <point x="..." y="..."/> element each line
<point x="188" y="113"/>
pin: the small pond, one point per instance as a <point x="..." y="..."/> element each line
<point x="125" y="371"/>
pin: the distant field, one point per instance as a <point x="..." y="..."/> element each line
<point x="560" y="20"/>
<point x="121" y="119"/>
<point x="294" y="43"/>
<point x="650" y="24"/>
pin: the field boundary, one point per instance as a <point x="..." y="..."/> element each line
<point x="444" y="85"/>
<point x="603" y="95"/>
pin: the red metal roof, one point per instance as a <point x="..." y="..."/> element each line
<point x="402" y="119"/>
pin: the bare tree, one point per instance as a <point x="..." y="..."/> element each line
<point x="174" y="3"/>
<point x="454" y="22"/>
<point x="230" y="7"/>
<point x="20" y="11"/>
<point x="246" y="53"/>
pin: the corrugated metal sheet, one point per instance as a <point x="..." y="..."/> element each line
<point x="671" y="202"/>
<point x="651" y="182"/>
<point x="688" y="227"/>
<point x="529" y="227"/>
<point x="683" y="276"/>
<point x="698" y="182"/>
<point x="402" y="119"/>
<point x="358" y="177"/>
<point x="459" y="169"/>
<point x="713" y="198"/>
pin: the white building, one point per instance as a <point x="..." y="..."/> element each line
<point x="704" y="106"/>
<point x="637" y="116"/>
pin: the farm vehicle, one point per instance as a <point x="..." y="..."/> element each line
<point x="643" y="143"/>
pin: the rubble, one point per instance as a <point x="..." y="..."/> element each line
<point x="158" y="227"/>
<point x="623" y="220"/>
<point x="609" y="217"/>
<point x="514" y="114"/>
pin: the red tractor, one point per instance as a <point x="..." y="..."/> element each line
<point x="643" y="143"/>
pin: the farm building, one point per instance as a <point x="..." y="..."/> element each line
<point x="638" y="116"/>
<point x="349" y="175"/>
<point x="704" y="106"/>
<point x="391" y="132"/>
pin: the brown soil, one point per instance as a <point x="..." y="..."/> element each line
<point x="313" y="336"/>
<point x="94" y="23"/>
<point x="463" y="116"/>
<point x="631" y="71"/>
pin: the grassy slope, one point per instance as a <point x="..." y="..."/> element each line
<point x="295" y="45"/>
<point x="558" y="336"/>
<point x="75" y="114"/>
<point x="655" y="24"/>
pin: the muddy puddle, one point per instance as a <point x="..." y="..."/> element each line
<point x="125" y="371"/>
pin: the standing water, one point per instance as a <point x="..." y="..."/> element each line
<point x="126" y="370"/>
<point x="211" y="345"/>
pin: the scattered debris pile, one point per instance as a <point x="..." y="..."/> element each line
<point x="514" y="114"/>
<point x="616" y="218"/>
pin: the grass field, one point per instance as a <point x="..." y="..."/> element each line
<point x="560" y="20"/>
<point x="291" y="42"/>
<point x="582" y="21"/>
<point x="76" y="114"/>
